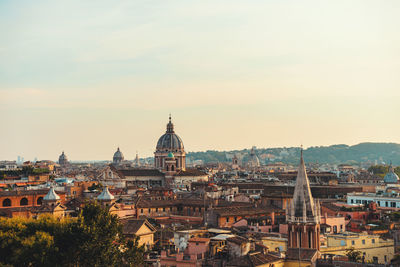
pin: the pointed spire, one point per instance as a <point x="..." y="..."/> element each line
<point x="304" y="212"/>
<point x="303" y="205"/>
<point x="292" y="210"/>
<point x="301" y="154"/>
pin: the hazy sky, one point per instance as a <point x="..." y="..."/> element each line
<point x="88" y="76"/>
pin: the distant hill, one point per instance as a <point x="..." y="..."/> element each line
<point x="335" y="154"/>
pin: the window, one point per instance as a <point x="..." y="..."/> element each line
<point x="342" y="243"/>
<point x="363" y="241"/>
<point x="39" y="201"/>
<point x="373" y="241"/>
<point x="353" y="242"/>
<point x="335" y="229"/>
<point x="235" y="219"/>
<point x="352" y="201"/>
<point x="163" y="209"/>
<point x="149" y="210"/>
<point x="385" y="258"/>
<point x="170" y="208"/>
<point x="341" y="227"/>
<point x="227" y="219"/>
<point x="7" y="202"/>
<point x="23" y="202"/>
<point x="375" y="260"/>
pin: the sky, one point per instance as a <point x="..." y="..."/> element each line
<point x="89" y="76"/>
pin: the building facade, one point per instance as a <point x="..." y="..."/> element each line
<point x="387" y="200"/>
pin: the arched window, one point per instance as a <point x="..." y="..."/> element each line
<point x="172" y="168"/>
<point x="23" y="202"/>
<point x="39" y="200"/>
<point x="7" y="202"/>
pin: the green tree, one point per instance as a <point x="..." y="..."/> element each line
<point x="133" y="253"/>
<point x="353" y="255"/>
<point x="93" y="239"/>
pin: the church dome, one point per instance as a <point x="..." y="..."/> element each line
<point x="105" y="195"/>
<point x="253" y="159"/>
<point x="391" y="177"/>
<point x="51" y="195"/>
<point x="62" y="159"/>
<point x="118" y="156"/>
<point x="170" y="141"/>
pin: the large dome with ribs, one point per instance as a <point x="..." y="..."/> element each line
<point x="170" y="141"/>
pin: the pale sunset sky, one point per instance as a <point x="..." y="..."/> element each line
<point x="89" y="76"/>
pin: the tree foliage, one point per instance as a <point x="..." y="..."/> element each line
<point x="381" y="170"/>
<point x="93" y="239"/>
<point x="353" y="255"/>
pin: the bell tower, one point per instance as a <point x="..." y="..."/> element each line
<point x="303" y="214"/>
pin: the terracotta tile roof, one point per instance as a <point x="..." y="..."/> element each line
<point x="147" y="202"/>
<point x="191" y="172"/>
<point x="306" y="254"/>
<point x="330" y="206"/>
<point x="253" y="259"/>
<point x="47" y="208"/>
<point x="199" y="239"/>
<point x="131" y="226"/>
<point x="229" y="211"/>
<point x="26" y="192"/>
<point x="258" y="259"/>
<point x="238" y="240"/>
<point x="140" y="172"/>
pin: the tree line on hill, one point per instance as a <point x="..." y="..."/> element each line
<point x="335" y="154"/>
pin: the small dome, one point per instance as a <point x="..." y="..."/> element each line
<point x="51" y="195"/>
<point x="105" y="195"/>
<point x="171" y="155"/>
<point x="62" y="159"/>
<point x="253" y="159"/>
<point x="118" y="156"/>
<point x="170" y="140"/>
<point x="391" y="177"/>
